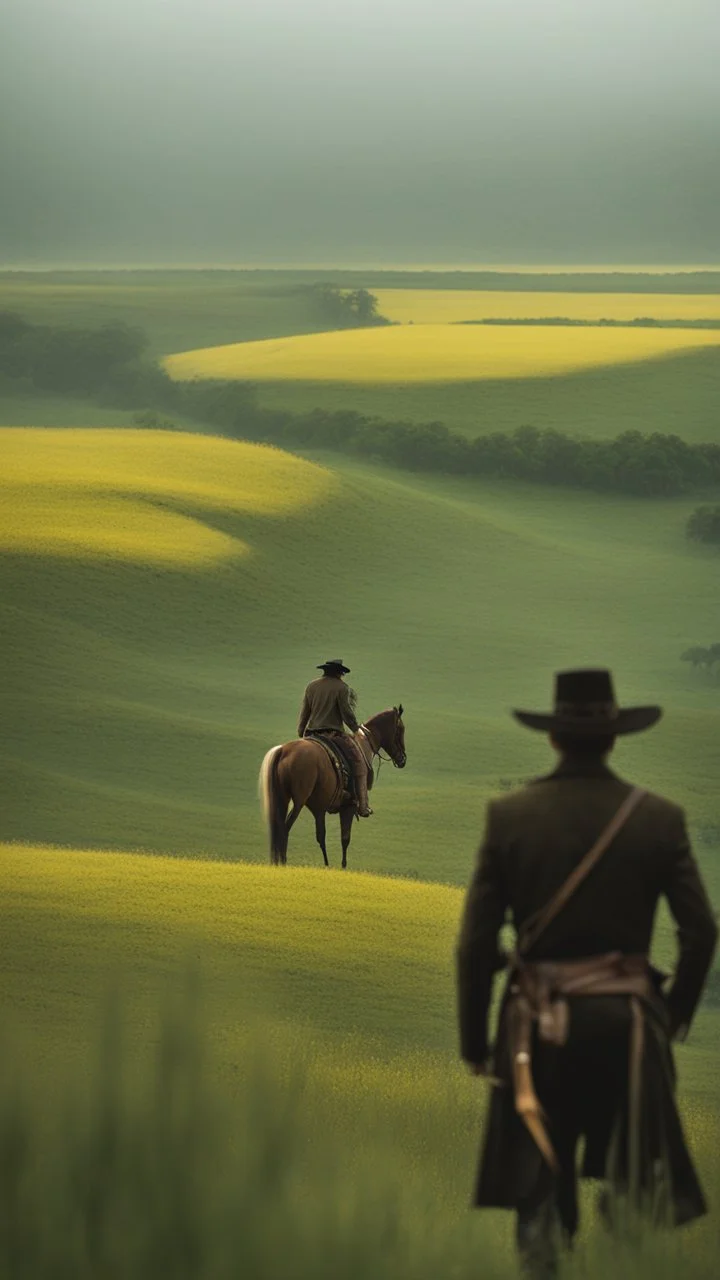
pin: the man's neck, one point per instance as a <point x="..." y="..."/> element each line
<point x="582" y="764"/>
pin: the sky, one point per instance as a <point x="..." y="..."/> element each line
<point x="353" y="132"/>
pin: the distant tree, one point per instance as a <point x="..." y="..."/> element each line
<point x="704" y="524"/>
<point x="700" y="657"/>
<point x="364" y="305"/>
<point x="350" y="308"/>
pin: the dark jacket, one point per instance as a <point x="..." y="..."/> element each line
<point x="533" y="840"/>
<point x="327" y="704"/>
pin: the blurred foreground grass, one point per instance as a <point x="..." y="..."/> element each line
<point x="147" y="1164"/>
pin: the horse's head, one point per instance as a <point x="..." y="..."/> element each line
<point x="388" y="731"/>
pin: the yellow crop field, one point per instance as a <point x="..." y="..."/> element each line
<point x="452" y="306"/>
<point x="434" y="353"/>
<point x="139" y="495"/>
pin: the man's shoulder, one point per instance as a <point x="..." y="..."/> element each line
<point x="548" y="791"/>
<point x="314" y="684"/>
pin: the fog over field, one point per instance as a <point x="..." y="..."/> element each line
<point x="384" y="131"/>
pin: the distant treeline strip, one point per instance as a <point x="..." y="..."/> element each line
<point x="109" y="365"/>
<point x="652" y="466"/>
<point x="566" y="322"/>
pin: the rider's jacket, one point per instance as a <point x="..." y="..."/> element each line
<point x="327" y="704"/>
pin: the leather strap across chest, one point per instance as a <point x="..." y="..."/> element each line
<point x="533" y="928"/>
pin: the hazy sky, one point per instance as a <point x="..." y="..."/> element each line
<point x="385" y="131"/>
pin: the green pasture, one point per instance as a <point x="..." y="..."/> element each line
<point x="177" y="309"/>
<point x="144" y="697"/>
<point x="279" y="1080"/>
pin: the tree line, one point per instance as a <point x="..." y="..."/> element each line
<point x="110" y="365"/>
<point x="567" y="322"/>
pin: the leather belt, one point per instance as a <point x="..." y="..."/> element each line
<point x="538" y="996"/>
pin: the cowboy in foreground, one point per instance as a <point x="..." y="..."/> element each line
<point x="328" y="704"/>
<point x="580" y="859"/>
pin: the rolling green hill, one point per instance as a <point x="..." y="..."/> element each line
<point x="676" y="396"/>
<point x="144" y="691"/>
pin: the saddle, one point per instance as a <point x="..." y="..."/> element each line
<point x="340" y="752"/>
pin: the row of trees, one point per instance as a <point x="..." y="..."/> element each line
<point x="71" y="361"/>
<point x="110" y="365"/>
<point x="651" y="466"/>
<point x="565" y="322"/>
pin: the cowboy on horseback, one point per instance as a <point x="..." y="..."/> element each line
<point x="328" y="705"/>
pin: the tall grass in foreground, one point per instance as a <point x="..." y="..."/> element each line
<point x="156" y="1170"/>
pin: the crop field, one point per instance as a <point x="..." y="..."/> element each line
<point x="140" y="495"/>
<point x="435" y="353"/>
<point x="455" y="306"/>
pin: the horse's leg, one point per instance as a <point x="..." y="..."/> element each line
<point x="346" y="820"/>
<point x="297" y="779"/>
<point x="293" y="816"/>
<point x="320" y="834"/>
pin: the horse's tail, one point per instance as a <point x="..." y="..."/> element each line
<point x="274" y="807"/>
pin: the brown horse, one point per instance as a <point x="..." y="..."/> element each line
<point x="302" y="772"/>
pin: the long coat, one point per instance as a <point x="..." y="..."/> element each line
<point x="533" y="840"/>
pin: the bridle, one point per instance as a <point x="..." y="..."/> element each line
<point x="376" y="749"/>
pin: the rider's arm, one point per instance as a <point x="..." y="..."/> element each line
<point x="305" y="711"/>
<point x="477" y="949"/>
<point x="696" y="931"/>
<point x="346" y="710"/>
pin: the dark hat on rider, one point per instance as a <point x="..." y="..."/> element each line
<point x="334" y="664"/>
<point x="585" y="705"/>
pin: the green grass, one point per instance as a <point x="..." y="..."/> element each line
<point x="678" y="395"/>
<point x="143" y="698"/>
<point x="300" y="1112"/>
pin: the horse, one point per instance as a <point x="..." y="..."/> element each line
<point x="302" y="772"/>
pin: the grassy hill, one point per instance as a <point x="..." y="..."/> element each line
<point x="144" y="688"/>
<point x="329" y="1061"/>
<point x="677" y="396"/>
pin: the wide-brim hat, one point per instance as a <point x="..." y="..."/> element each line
<point x="336" y="664"/>
<point x="585" y="705"/>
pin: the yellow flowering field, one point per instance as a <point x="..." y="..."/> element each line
<point x="450" y="306"/>
<point x="434" y="353"/>
<point x="139" y="495"/>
